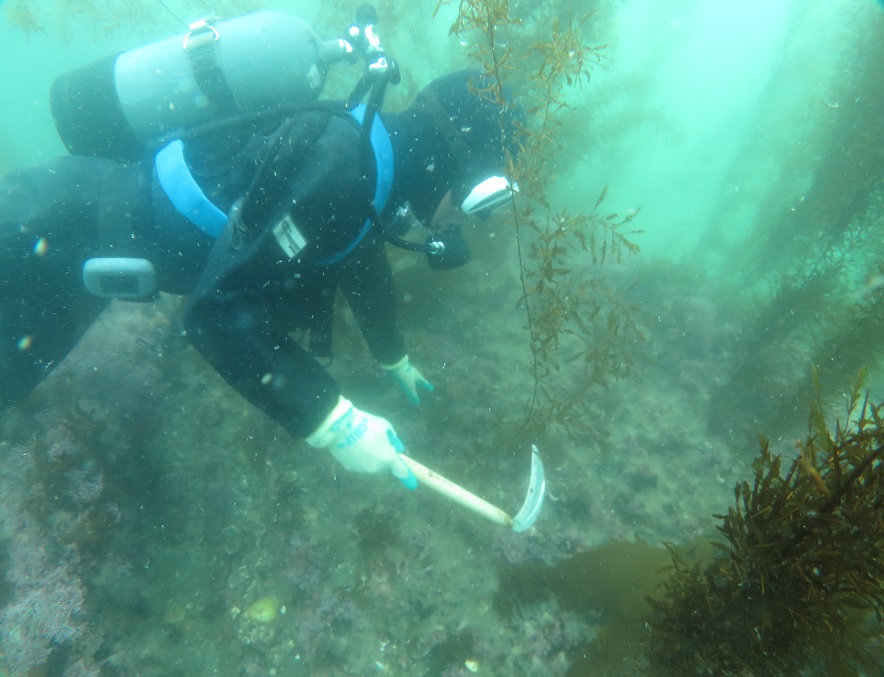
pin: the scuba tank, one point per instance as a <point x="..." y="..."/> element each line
<point x="119" y="106"/>
<point x="220" y="74"/>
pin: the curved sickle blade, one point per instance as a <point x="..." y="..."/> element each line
<point x="530" y="509"/>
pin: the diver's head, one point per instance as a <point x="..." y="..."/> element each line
<point x="451" y="144"/>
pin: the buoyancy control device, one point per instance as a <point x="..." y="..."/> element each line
<point x="119" y="106"/>
<point x="135" y="103"/>
<point x="138" y="102"/>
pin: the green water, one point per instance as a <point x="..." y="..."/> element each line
<point x="145" y="508"/>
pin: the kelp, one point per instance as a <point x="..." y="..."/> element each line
<point x="582" y="332"/>
<point x="798" y="583"/>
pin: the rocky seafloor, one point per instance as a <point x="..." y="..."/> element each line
<point x="153" y="523"/>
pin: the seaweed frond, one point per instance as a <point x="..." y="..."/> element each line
<point x="799" y="584"/>
<point x="582" y="331"/>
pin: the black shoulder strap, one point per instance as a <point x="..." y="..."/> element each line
<point x="200" y="47"/>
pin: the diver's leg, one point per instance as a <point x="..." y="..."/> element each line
<point x="48" y="228"/>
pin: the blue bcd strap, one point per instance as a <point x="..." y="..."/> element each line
<point x="191" y="202"/>
<point x="184" y="192"/>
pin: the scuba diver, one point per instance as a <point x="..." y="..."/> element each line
<point x="207" y="167"/>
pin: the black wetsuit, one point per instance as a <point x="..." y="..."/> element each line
<point x="246" y="293"/>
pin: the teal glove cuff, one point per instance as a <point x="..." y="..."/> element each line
<point x="408" y="378"/>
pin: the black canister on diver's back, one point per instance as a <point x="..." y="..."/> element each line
<point x="115" y="107"/>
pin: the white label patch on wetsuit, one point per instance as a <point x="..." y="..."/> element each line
<point x="289" y="236"/>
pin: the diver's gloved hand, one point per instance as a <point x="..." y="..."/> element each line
<point x="362" y="442"/>
<point x="408" y="378"/>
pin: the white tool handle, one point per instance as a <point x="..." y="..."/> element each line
<point x="456" y="493"/>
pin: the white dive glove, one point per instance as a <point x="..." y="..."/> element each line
<point x="408" y="378"/>
<point x="362" y="442"/>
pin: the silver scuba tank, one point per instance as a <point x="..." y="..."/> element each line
<point x="117" y="106"/>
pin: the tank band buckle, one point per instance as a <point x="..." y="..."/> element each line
<point x="199" y="31"/>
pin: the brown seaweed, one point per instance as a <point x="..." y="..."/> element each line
<point x="798" y="583"/>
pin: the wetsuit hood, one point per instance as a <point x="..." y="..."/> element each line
<point x="454" y="134"/>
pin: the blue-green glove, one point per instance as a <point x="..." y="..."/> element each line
<point x="362" y="442"/>
<point x="408" y="378"/>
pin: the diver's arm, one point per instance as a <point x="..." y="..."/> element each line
<point x="233" y="320"/>
<point x="367" y="283"/>
<point x="239" y="313"/>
